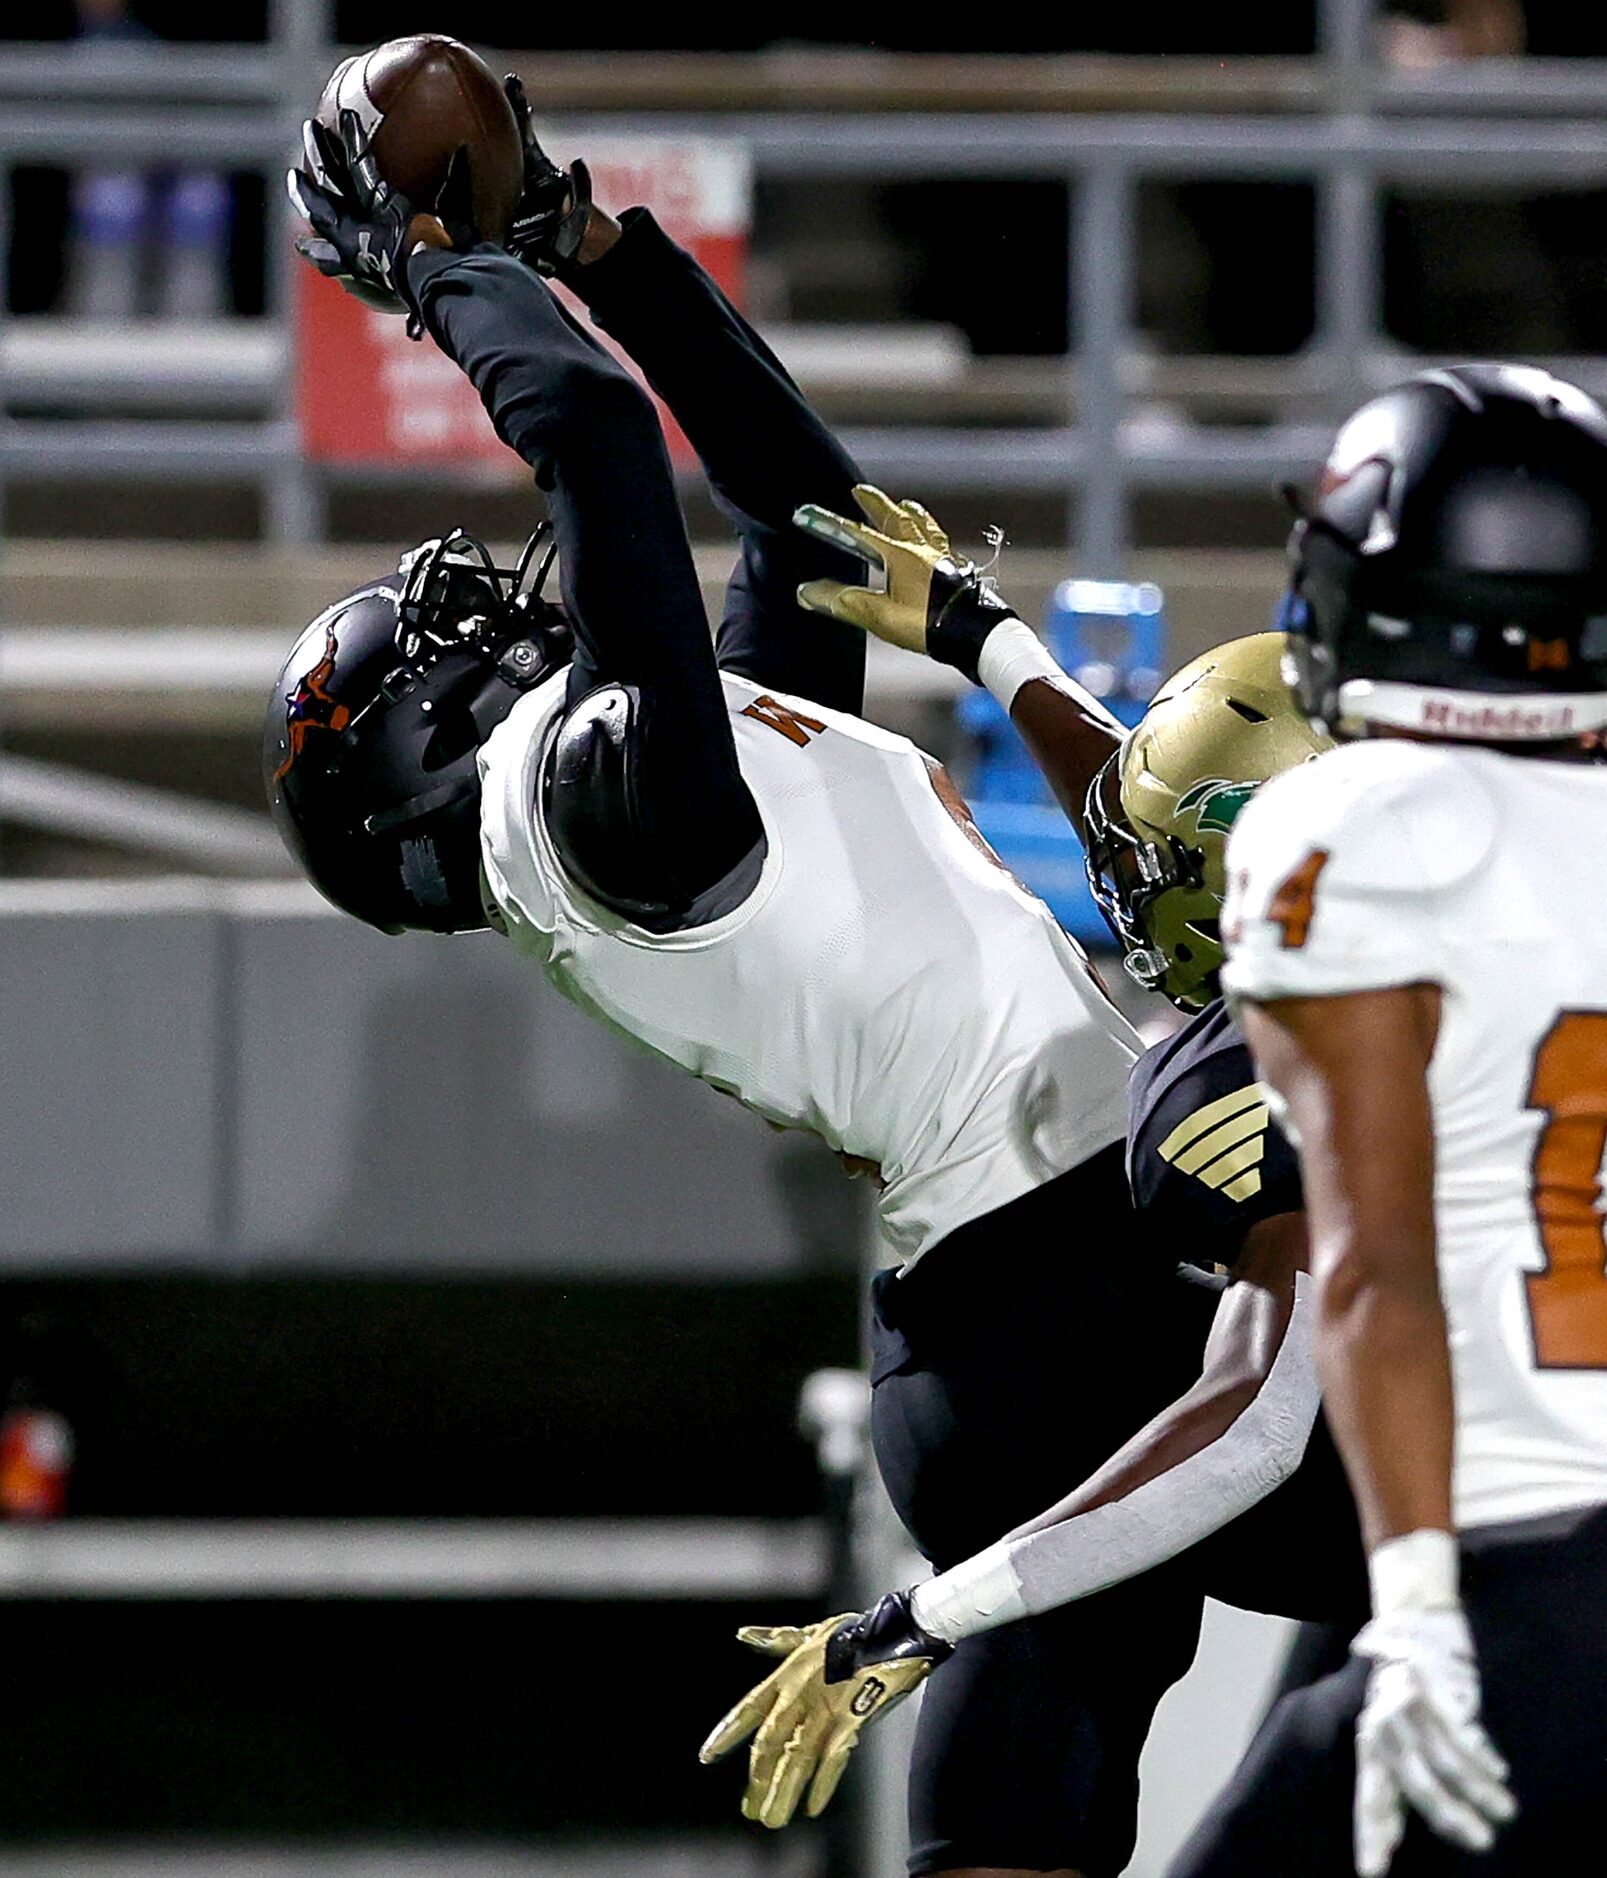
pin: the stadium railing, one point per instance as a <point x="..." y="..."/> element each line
<point x="413" y="1558"/>
<point x="1336" y="120"/>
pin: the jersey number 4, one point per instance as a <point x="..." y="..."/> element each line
<point x="1293" y="905"/>
<point x="1568" y="1299"/>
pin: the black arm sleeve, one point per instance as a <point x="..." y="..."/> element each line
<point x="763" y="448"/>
<point x="592" y="436"/>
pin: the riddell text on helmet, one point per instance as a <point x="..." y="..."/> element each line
<point x="1517" y="720"/>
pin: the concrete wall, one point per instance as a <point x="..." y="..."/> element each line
<point x="239" y="1077"/>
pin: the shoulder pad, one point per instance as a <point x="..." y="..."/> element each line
<point x="1395" y="817"/>
<point x="590" y="800"/>
<point x="1205" y="1158"/>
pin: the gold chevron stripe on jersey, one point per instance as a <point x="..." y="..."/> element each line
<point x="1223" y="1143"/>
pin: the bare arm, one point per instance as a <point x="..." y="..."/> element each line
<point x="1353" y="1071"/>
<point x="1069" y="736"/>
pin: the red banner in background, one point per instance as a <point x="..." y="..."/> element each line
<point x="367" y="394"/>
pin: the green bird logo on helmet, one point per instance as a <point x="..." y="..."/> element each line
<point x="1215" y="803"/>
<point x="1160" y="810"/>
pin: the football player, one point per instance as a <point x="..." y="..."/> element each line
<point x="705" y="845"/>
<point x="1417" y="940"/>
<point x="1227" y="1468"/>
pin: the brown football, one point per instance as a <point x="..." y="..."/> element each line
<point x="421" y="100"/>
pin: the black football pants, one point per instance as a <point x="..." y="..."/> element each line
<point x="1536" y="1598"/>
<point x="1019" y="1354"/>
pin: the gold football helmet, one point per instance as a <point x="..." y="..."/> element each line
<point x="1160" y="809"/>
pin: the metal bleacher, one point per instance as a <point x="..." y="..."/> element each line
<point x="219" y="407"/>
<point x="192" y="411"/>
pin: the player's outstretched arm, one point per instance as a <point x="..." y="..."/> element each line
<point x="630" y="588"/>
<point x="763" y="447"/>
<point x="1200" y="1463"/>
<point x="1204" y="1460"/>
<point x="937" y="602"/>
<point x="1353" y="1071"/>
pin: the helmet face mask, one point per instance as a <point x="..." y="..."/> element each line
<point x="454" y="599"/>
<point x="373" y="732"/>
<point x="1127" y="875"/>
<point x="1159" y="811"/>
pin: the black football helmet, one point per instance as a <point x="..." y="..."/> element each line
<point x="1450" y="576"/>
<point x="373" y="728"/>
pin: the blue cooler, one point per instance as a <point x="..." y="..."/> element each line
<point x="1110" y="635"/>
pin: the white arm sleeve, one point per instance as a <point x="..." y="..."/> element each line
<point x="1042" y="1570"/>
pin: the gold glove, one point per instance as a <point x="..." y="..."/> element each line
<point x="837" y="1677"/>
<point x="935" y="601"/>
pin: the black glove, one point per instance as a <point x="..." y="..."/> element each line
<point x="360" y="225"/>
<point x="886" y="1633"/>
<point x="549" y="221"/>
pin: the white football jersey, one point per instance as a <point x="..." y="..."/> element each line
<point x="1392" y="863"/>
<point x="886" y="985"/>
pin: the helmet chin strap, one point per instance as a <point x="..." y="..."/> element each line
<point x="1469" y="716"/>
<point x="425" y="803"/>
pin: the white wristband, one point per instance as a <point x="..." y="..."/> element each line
<point x="1416" y="1572"/>
<point x="1013" y="655"/>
